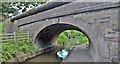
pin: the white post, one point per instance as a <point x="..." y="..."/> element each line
<point x="14" y="37"/>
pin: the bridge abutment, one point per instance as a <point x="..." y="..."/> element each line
<point x="99" y="22"/>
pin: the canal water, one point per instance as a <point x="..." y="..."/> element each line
<point x="49" y="56"/>
<point x="46" y="57"/>
<point x="77" y="54"/>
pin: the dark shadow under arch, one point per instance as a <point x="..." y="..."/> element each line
<point x="48" y="35"/>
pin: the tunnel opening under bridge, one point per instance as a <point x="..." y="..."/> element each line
<point x="49" y="35"/>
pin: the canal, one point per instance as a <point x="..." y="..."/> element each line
<point x="46" y="57"/>
<point x="77" y="54"/>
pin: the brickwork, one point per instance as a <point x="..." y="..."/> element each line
<point x="98" y="21"/>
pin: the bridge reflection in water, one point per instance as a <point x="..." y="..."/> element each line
<point x="77" y="54"/>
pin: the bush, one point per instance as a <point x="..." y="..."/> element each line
<point x="11" y="50"/>
<point x="71" y="38"/>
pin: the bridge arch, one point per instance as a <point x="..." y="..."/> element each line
<point x="48" y="35"/>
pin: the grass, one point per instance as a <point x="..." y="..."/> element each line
<point x="10" y="50"/>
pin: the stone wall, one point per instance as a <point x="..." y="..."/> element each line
<point x="98" y="21"/>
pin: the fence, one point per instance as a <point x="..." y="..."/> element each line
<point x="15" y="36"/>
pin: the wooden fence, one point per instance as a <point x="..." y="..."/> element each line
<point x="15" y="36"/>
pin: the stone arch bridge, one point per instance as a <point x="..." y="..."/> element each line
<point x="99" y="21"/>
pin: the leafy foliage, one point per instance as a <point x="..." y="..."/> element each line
<point x="11" y="50"/>
<point x="71" y="38"/>
<point x="62" y="38"/>
<point x="9" y="9"/>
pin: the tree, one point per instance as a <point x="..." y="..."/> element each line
<point x="9" y="9"/>
<point x="71" y="38"/>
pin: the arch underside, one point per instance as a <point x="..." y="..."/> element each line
<point x="49" y="34"/>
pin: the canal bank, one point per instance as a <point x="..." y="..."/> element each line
<point x="46" y="57"/>
<point x="77" y="54"/>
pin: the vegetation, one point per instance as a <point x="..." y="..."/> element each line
<point x="71" y="38"/>
<point x="12" y="8"/>
<point x="11" y="50"/>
